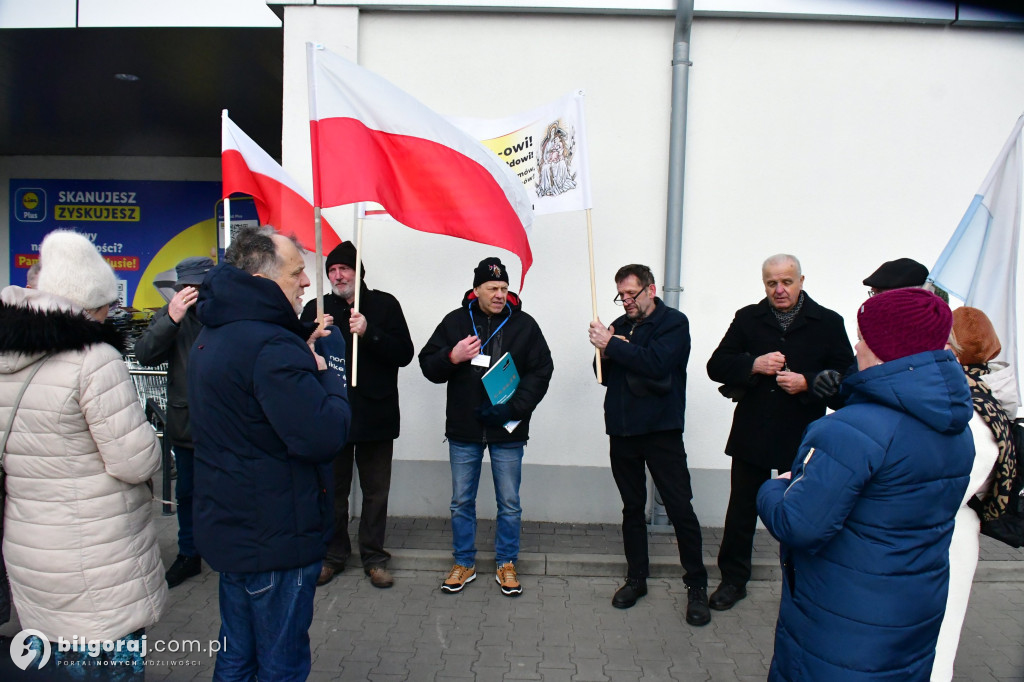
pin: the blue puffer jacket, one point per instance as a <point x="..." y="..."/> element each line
<point x="266" y="423"/>
<point x="866" y="522"/>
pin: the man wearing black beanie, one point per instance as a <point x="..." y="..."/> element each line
<point x="470" y="341"/>
<point x="384" y="346"/>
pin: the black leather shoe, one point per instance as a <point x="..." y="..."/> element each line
<point x="697" y="612"/>
<point x="627" y="595"/>
<point x="726" y="596"/>
<point x="183" y="568"/>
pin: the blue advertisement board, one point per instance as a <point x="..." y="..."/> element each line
<point x="142" y="227"/>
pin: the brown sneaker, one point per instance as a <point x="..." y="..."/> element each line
<point x="380" y="577"/>
<point x="457" y="578"/>
<point x="506" y="577"/>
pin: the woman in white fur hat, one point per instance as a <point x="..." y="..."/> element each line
<point x="79" y="540"/>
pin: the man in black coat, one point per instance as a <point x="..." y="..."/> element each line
<point x="466" y="344"/>
<point x="644" y="361"/>
<point x="384" y="346"/>
<point x="169" y="338"/>
<point x="767" y="361"/>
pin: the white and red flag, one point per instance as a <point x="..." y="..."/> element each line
<point x="373" y="142"/>
<point x="280" y="201"/>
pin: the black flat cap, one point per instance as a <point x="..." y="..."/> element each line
<point x="897" y="274"/>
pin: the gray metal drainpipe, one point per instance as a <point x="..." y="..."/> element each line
<point x="672" y="284"/>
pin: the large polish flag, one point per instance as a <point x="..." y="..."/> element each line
<point x="280" y="201"/>
<point x="373" y="142"/>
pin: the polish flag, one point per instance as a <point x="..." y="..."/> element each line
<point x="280" y="201"/>
<point x="374" y="142"/>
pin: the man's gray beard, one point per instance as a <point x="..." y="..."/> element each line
<point x="340" y="294"/>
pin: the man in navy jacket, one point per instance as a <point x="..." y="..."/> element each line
<point x="268" y="416"/>
<point x="644" y="355"/>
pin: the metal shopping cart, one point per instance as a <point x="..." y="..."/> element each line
<point x="151" y="386"/>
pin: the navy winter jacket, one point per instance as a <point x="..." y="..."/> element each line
<point x="866" y="522"/>
<point x="646" y="377"/>
<point x="266" y="424"/>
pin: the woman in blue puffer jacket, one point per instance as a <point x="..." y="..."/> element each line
<point x="866" y="519"/>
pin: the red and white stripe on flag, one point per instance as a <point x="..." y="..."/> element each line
<point x="374" y="142"/>
<point x="280" y="201"/>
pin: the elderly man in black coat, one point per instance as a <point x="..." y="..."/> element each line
<point x="767" y="362"/>
<point x="384" y="347"/>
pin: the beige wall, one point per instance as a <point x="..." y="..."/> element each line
<point x="845" y="143"/>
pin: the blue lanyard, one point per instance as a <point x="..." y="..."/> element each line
<point x="472" y="322"/>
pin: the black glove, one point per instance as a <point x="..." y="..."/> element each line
<point x="826" y="383"/>
<point x="493" y="415"/>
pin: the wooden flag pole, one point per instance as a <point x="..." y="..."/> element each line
<point x="355" y="304"/>
<point x="593" y="291"/>
<point x="319" y="267"/>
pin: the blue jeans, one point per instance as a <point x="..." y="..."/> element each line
<point x="507" y="472"/>
<point x="185" y="458"/>
<point x="264" y="630"/>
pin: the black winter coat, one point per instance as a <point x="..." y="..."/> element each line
<point x="383" y="348"/>
<point x="165" y="341"/>
<point x="520" y="336"/>
<point x="768" y="422"/>
<point x="646" y="377"/>
<point x="259" y="409"/>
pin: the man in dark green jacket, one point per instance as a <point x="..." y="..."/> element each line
<point x="169" y="338"/>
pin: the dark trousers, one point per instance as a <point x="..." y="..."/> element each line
<point x="185" y="459"/>
<point x="373" y="458"/>
<point x="741" y="522"/>
<point x="664" y="455"/>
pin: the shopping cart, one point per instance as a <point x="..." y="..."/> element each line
<point x="151" y="387"/>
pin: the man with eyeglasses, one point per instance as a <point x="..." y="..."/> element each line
<point x="468" y="342"/>
<point x="767" y="361"/>
<point x="644" y="354"/>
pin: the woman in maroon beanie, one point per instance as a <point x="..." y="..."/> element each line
<point x="866" y="519"/>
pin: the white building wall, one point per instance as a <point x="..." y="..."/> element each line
<point x="847" y="144"/>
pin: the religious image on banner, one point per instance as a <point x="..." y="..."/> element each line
<point x="554" y="166"/>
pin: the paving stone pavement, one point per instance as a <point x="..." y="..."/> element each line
<point x="563" y="627"/>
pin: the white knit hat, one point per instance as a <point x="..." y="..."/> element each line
<point x="71" y="267"/>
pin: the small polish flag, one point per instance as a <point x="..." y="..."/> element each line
<point x="280" y="201"/>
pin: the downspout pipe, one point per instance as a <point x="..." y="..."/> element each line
<point x="681" y="64"/>
<point x="672" y="284"/>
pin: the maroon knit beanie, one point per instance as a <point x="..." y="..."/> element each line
<point x="902" y="322"/>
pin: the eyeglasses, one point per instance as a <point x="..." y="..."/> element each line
<point x="873" y="291"/>
<point x="628" y="300"/>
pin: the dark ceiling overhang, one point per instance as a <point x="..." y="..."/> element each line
<point x="61" y="97"/>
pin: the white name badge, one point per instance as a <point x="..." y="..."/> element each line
<point x="482" y="360"/>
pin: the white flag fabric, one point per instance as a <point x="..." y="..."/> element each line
<point x="981" y="264"/>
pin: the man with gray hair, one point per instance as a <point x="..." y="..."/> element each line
<point x="768" y="359"/>
<point x="260" y="398"/>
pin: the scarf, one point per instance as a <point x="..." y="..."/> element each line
<point x="994" y="502"/>
<point x="786" y="317"/>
